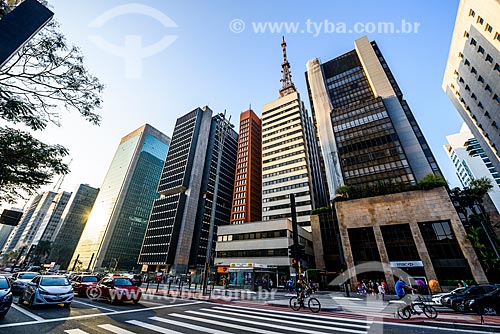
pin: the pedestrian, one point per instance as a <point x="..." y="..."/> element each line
<point x="270" y="284"/>
<point x="381" y="290"/>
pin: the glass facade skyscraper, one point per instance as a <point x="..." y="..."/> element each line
<point x="178" y="229"/>
<point x="367" y="132"/>
<point x="113" y="234"/>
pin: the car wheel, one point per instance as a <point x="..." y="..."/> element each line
<point x="460" y="307"/>
<point x="112" y="300"/>
<point x="488" y="310"/>
<point x="135" y="301"/>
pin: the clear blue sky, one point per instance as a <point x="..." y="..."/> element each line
<point x="210" y="64"/>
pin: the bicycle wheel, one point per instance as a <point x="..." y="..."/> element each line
<point x="430" y="311"/>
<point x="314" y="305"/>
<point x="404" y="313"/>
<point x="294" y="303"/>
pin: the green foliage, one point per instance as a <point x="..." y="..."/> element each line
<point x="321" y="210"/>
<point x="431" y="181"/>
<point x="44" y="76"/>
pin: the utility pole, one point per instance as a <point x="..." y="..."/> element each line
<point x="220" y="138"/>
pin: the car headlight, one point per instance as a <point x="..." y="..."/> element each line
<point x="43" y="292"/>
<point x="6" y="298"/>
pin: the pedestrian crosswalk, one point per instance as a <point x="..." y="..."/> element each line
<point x="227" y="319"/>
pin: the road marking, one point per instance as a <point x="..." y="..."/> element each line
<point x="115" y="329"/>
<point x="26" y="312"/>
<point x="294" y="321"/>
<point x="190" y="326"/>
<point x="146" y="302"/>
<point x="75" y="331"/>
<point x="93" y="306"/>
<point x="289" y="329"/>
<point x="301" y="315"/>
<point x="153" y="327"/>
<point x="94" y="315"/>
<point x="244" y="329"/>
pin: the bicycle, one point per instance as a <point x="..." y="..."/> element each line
<point x="298" y="302"/>
<point x="428" y="310"/>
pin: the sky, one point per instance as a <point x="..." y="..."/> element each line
<point x="162" y="59"/>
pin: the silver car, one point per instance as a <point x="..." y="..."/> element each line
<point x="48" y="290"/>
<point x="19" y="280"/>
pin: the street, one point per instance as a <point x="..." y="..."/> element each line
<point x="162" y="314"/>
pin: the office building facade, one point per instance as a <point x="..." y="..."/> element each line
<point x="65" y="238"/>
<point x="113" y="234"/>
<point x="472" y="75"/>
<point x="177" y="235"/>
<point x="247" y="197"/>
<point x="290" y="161"/>
<point x="52" y="220"/>
<point x="367" y="132"/>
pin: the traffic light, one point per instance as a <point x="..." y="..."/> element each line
<point x="291" y="253"/>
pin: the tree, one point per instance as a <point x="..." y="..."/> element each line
<point x="41" y="251"/>
<point x="45" y="75"/>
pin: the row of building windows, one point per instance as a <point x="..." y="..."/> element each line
<point x="287" y="196"/>
<point x="292" y="186"/>
<point x="285" y="171"/>
<point x="285" y="179"/>
<point x="284" y="156"/>
<point x="487" y="27"/>
<point x="253" y="235"/>
<point x="285" y="206"/>
<point x="253" y="253"/>
<point x="287" y="215"/>
<point x="286" y="163"/>
<point x="290" y="140"/>
<point x="286" y="148"/>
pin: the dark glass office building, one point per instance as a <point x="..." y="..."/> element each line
<point x="178" y="230"/>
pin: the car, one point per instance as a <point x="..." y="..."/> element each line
<point x="5" y="296"/>
<point x="135" y="278"/>
<point x="19" y="280"/>
<point x="82" y="283"/>
<point x="457" y="301"/>
<point x="48" y="290"/>
<point x="488" y="304"/>
<point x="437" y="298"/>
<point x="119" y="289"/>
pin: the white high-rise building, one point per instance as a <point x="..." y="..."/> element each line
<point x="290" y="163"/>
<point x="471" y="162"/>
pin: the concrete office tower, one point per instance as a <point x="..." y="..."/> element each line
<point x="471" y="162"/>
<point x="472" y="76"/>
<point x="247" y="197"/>
<point x="367" y="131"/>
<point x="52" y="219"/>
<point x="65" y="238"/>
<point x="113" y="234"/>
<point x="178" y="230"/>
<point x="30" y="222"/>
<point x="289" y="156"/>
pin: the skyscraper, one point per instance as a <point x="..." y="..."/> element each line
<point x="289" y="157"/>
<point x="65" y="238"/>
<point x="30" y="222"/>
<point x="471" y="163"/>
<point x="247" y="197"/>
<point x="178" y="229"/>
<point x="472" y="75"/>
<point x="52" y="220"/>
<point x="367" y="131"/>
<point x="113" y="234"/>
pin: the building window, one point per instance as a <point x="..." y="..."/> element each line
<point x="497" y="68"/>
<point x="480" y="79"/>
<point x="488" y="88"/>
<point x="473" y="41"/>
<point x="480" y="49"/>
<point x="480" y="20"/>
<point x="363" y="245"/>
<point x="466" y="62"/>
<point x="489" y="28"/>
<point x="473" y="70"/>
<point x="472" y="13"/>
<point x="480" y="105"/>
<point x="399" y="242"/>
<point x="497" y="98"/>
<point x="474" y="96"/>
<point x="494" y="124"/>
<point x="489" y="58"/>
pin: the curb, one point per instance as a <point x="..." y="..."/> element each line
<point x="489" y="328"/>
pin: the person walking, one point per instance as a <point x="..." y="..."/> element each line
<point x="381" y="290"/>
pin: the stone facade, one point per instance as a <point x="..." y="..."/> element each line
<point x="409" y="207"/>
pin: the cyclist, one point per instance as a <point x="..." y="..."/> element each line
<point x="300" y="286"/>
<point x="403" y="291"/>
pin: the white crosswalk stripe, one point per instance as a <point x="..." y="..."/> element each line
<point x="152" y="327"/>
<point x="75" y="331"/>
<point x="115" y="329"/>
<point x="190" y="326"/>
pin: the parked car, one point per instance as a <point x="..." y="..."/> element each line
<point x="48" y="290"/>
<point x="437" y="298"/>
<point x="119" y="289"/>
<point x="457" y="301"/>
<point x="488" y="304"/>
<point x="5" y="296"/>
<point x="135" y="278"/>
<point x="19" y="280"/>
<point x="82" y="283"/>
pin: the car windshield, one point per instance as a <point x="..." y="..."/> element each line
<point x="27" y="275"/>
<point x="89" y="279"/>
<point x="54" y="281"/>
<point x="3" y="283"/>
<point x="122" y="282"/>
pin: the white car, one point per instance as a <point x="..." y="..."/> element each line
<point x="48" y="290"/>
<point x="438" y="298"/>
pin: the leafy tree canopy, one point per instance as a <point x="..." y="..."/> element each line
<point x="45" y="76"/>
